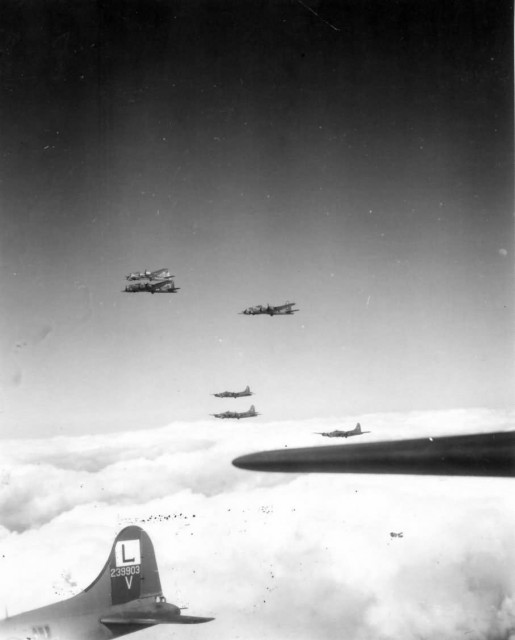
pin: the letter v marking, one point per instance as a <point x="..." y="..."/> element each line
<point x="128" y="580"/>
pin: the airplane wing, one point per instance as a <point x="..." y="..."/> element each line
<point x="160" y="284"/>
<point x="281" y="307"/>
<point x="484" y="454"/>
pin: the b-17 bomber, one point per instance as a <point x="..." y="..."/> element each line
<point x="160" y="274"/>
<point x="164" y="286"/>
<point x="343" y="434"/>
<point x="234" y="394"/>
<point x="281" y="310"/>
<point x="251" y="413"/>
<point x="125" y="597"/>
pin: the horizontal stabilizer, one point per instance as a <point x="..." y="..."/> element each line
<point x="169" y="614"/>
<point x="190" y="620"/>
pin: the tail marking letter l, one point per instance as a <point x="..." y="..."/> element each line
<point x="127" y="553"/>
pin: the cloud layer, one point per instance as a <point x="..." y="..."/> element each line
<point x="269" y="555"/>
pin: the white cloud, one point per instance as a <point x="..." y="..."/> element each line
<point x="272" y="556"/>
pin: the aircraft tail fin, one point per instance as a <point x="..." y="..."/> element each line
<point x="357" y="428"/>
<point x="252" y="409"/>
<point x="130" y="572"/>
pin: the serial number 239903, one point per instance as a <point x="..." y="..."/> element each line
<point x="125" y="571"/>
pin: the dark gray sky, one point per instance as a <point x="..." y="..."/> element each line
<point x="354" y="157"/>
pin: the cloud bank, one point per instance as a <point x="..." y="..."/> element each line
<point x="269" y="555"/>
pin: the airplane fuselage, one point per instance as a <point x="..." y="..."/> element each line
<point x="56" y="622"/>
<point x="137" y="287"/>
<point x="50" y="624"/>
<point x="79" y="619"/>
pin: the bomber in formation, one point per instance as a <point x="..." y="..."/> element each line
<point x="236" y="415"/>
<point x="234" y="394"/>
<point x="343" y="434"/>
<point x="165" y="286"/>
<point x="270" y="310"/>
<point x="125" y="597"/>
<point x="160" y="281"/>
<point x="159" y="274"/>
<point x="281" y="310"/>
<point x="251" y="413"/>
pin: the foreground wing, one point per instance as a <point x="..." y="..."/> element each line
<point x="485" y="454"/>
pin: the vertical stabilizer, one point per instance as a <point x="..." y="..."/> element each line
<point x="131" y="570"/>
<point x="357" y="428"/>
